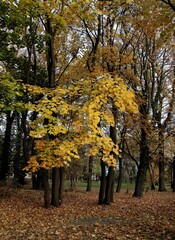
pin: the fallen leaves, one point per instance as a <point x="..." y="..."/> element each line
<point x="22" y="216"/>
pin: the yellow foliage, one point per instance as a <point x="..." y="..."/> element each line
<point x="72" y="117"/>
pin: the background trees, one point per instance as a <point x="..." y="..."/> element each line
<point x="86" y="77"/>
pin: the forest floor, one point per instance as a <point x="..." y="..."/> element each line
<point x="22" y="216"/>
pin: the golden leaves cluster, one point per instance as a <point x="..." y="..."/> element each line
<point x="70" y="117"/>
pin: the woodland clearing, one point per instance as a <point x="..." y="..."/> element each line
<point x="22" y="216"/>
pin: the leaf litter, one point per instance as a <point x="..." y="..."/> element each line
<point x="22" y="217"/>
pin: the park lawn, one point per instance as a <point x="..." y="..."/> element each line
<point x="96" y="184"/>
<point x="22" y="216"/>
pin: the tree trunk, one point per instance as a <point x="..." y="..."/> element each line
<point x="37" y="182"/>
<point x="173" y="182"/>
<point x="162" y="187"/>
<point x="161" y="160"/>
<point x="109" y="187"/>
<point x="55" y="187"/>
<point x="119" y="182"/>
<point x="17" y="158"/>
<point x="151" y="178"/>
<point x="51" y="84"/>
<point x="6" y="146"/>
<point x="89" y="179"/>
<point x="58" y="176"/>
<point x="122" y="147"/>
<point x="72" y="183"/>
<point x="102" y="183"/>
<point x="46" y="188"/>
<point x="50" y="53"/>
<point x="110" y="178"/>
<point x="143" y="166"/>
<point x="61" y="187"/>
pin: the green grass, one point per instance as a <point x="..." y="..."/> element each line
<point x="96" y="185"/>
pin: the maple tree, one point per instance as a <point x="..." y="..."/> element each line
<point x="85" y="69"/>
<point x="92" y="112"/>
<point x="82" y="128"/>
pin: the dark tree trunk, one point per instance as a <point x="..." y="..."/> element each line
<point x="151" y="178"/>
<point x="51" y="84"/>
<point x="46" y="188"/>
<point x="109" y="187"/>
<point x="17" y="157"/>
<point x="119" y="181"/>
<point x="161" y="160"/>
<point x="122" y="147"/>
<point x="173" y="182"/>
<point x="143" y="166"/>
<point x="61" y="187"/>
<point x="72" y="183"/>
<point x="37" y="181"/>
<point x="6" y="146"/>
<point x="58" y="176"/>
<point x="89" y="179"/>
<point x="107" y="184"/>
<point x="55" y="187"/>
<point x="109" y="192"/>
<point x="25" y="148"/>
<point x="162" y="187"/>
<point x="50" y="53"/>
<point x="102" y="183"/>
<point x="25" y="137"/>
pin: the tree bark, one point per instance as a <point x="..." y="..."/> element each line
<point x="61" y="187"/>
<point x="143" y="166"/>
<point x="109" y="187"/>
<point x="151" y="178"/>
<point x="55" y="187"/>
<point x="161" y="161"/>
<point x="6" y="146"/>
<point x="162" y="187"/>
<point x="89" y="179"/>
<point x="173" y="182"/>
<point x="46" y="188"/>
<point x="19" y="174"/>
<point x="37" y="181"/>
<point x="102" y="183"/>
<point x="110" y="178"/>
<point x="119" y="182"/>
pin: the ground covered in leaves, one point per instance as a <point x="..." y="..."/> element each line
<point x="23" y="217"/>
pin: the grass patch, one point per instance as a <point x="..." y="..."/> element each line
<point x="96" y="185"/>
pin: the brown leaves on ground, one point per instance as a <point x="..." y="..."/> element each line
<point x="22" y="217"/>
